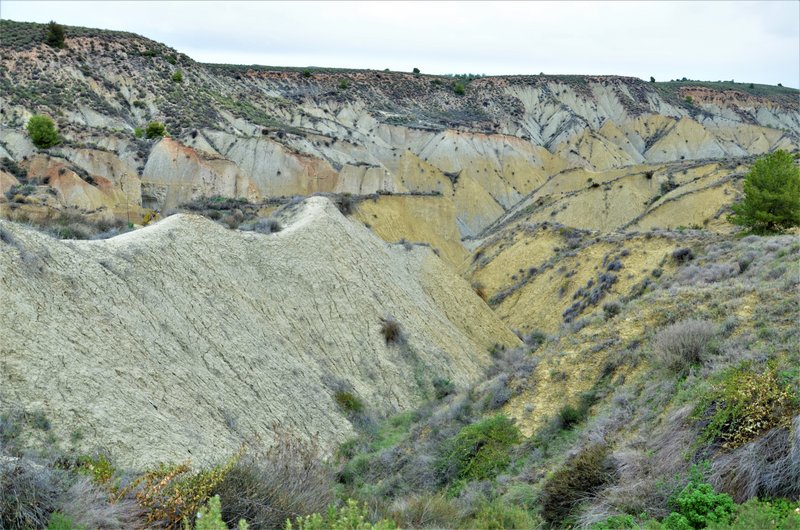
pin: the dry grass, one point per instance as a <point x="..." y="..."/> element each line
<point x="29" y="493"/>
<point x="269" y="485"/>
<point x="682" y="345"/>
<point x="766" y="467"/>
<point x="89" y="507"/>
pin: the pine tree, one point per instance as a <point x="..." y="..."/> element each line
<point x="55" y="35"/>
<point x="42" y="131"/>
<point x="771" y="201"/>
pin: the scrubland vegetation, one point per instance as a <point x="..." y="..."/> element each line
<point x="675" y="405"/>
<point x="692" y="422"/>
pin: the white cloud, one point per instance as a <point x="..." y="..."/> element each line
<point x="747" y="41"/>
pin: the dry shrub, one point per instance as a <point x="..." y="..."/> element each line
<point x="345" y="203"/>
<point x="267" y="486"/>
<point x="766" y="467"/>
<point x="28" y="493"/>
<point x="89" y="506"/>
<point x="425" y="511"/>
<point x="267" y="226"/>
<point x="682" y="345"/>
<point x="480" y="290"/>
<point x="391" y="330"/>
<point x="581" y="476"/>
<point x="173" y="492"/>
<point x="647" y="471"/>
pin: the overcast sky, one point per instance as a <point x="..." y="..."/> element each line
<point x="745" y="41"/>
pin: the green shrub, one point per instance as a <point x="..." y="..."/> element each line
<point x="744" y="404"/>
<point x="177" y="77"/>
<point x="443" y="387"/>
<point x="697" y="506"/>
<point x="138" y="132"/>
<point x="344" y="83"/>
<point x="569" y="416"/>
<point x="209" y="517"/>
<point x="480" y="451"/>
<point x="352" y="516"/>
<point x="348" y="402"/>
<point x="616" y="522"/>
<point x="459" y="88"/>
<point x="415" y="70"/>
<point x="771" y="201"/>
<point x="763" y="515"/>
<point x="98" y="468"/>
<point x="55" y="35"/>
<point x="42" y="131"/>
<point x="306" y="73"/>
<point x="497" y="515"/>
<point x="59" y="521"/>
<point x="579" y="477"/>
<point x="155" y="129"/>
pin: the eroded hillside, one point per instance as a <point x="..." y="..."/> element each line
<point x="179" y="340"/>
<point x="579" y="149"/>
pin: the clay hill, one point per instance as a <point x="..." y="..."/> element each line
<point x="179" y="339"/>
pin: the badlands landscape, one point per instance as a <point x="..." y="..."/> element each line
<point x="327" y="298"/>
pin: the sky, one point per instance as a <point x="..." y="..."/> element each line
<point x="756" y="42"/>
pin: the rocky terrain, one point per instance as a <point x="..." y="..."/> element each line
<point x="261" y="133"/>
<point x="389" y="264"/>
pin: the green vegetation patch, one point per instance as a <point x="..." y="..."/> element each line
<point x="743" y="404"/>
<point x="482" y="450"/>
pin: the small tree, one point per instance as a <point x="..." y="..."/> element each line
<point x="177" y="77"/>
<point x="416" y="70"/>
<point x="55" y="35"/>
<point x="652" y="79"/>
<point x="155" y="129"/>
<point x="42" y="131"/>
<point x="771" y="201"/>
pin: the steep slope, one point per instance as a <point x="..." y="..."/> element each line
<point x="178" y="340"/>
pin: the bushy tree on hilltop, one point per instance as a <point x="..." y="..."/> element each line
<point x="155" y="129"/>
<point x="42" y="131"/>
<point x="772" y="195"/>
<point x="55" y="35"/>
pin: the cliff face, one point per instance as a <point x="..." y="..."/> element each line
<point x="256" y="132"/>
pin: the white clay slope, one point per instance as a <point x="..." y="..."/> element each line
<point x="177" y="340"/>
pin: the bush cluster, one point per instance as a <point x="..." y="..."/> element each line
<point x="579" y="477"/>
<point x="480" y="451"/>
<point x="682" y="345"/>
<point x="268" y="485"/>
<point x="744" y="404"/>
